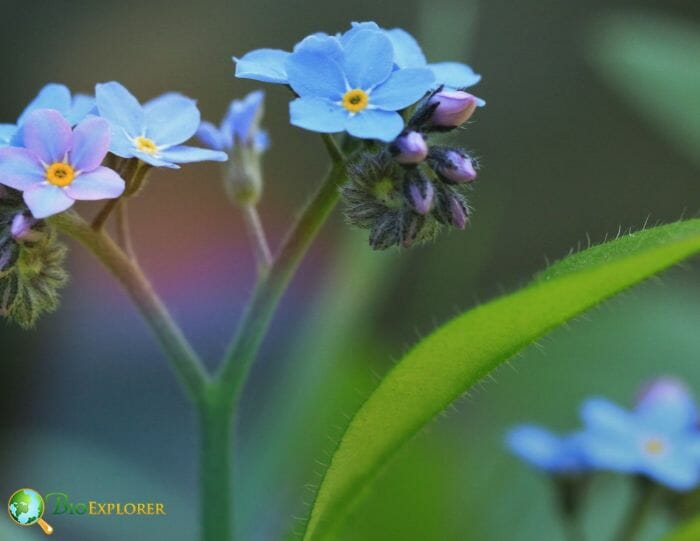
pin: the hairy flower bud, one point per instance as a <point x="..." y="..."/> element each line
<point x="456" y="167"/>
<point x="243" y="176"/>
<point x="419" y="192"/>
<point x="410" y="148"/>
<point x="451" y="207"/>
<point x="451" y="108"/>
<point x="21" y="228"/>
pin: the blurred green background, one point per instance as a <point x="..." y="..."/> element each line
<point x="592" y="126"/>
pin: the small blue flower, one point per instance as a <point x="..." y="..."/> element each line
<point x="154" y="132"/>
<point x="658" y="439"/>
<point x="545" y="450"/>
<point x="352" y="87"/>
<point x="241" y="125"/>
<point x="52" y="96"/>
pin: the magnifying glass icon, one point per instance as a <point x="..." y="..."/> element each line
<point x="26" y="508"/>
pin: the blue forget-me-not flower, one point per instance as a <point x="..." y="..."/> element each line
<point x="59" y="166"/>
<point x="657" y="439"/>
<point x="352" y="86"/>
<point x="240" y="126"/>
<point x="52" y="96"/>
<point x="154" y="132"/>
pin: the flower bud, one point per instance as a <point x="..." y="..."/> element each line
<point x="419" y="193"/>
<point x="21" y="228"/>
<point x="410" y="148"/>
<point x="452" y="108"/>
<point x="456" y="167"/>
<point x="458" y="213"/>
<point x="243" y="180"/>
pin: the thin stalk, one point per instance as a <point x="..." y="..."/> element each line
<point x="633" y="523"/>
<point x="99" y="221"/>
<point x="183" y="359"/>
<point x="258" y="239"/>
<point x="270" y="288"/>
<point x="124" y="229"/>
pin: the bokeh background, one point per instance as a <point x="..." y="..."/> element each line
<point x="592" y="126"/>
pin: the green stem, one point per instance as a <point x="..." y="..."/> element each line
<point x="182" y="357"/>
<point x="257" y="236"/>
<point x="216" y="498"/>
<point x="242" y="351"/>
<point x="638" y="512"/>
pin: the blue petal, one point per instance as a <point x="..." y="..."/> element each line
<point x="405" y="87"/>
<point x="601" y="415"/>
<point x="667" y="404"/>
<point x="313" y="72"/>
<point x="47" y="200"/>
<point x="20" y="168"/>
<point x="407" y="52"/>
<point x="120" y="143"/>
<point x="121" y="109"/>
<point x="81" y="107"/>
<point x="100" y="183"/>
<point x="48" y="134"/>
<point x="317" y="114"/>
<point x="613" y="453"/>
<point x="210" y="136"/>
<point x="261" y="141"/>
<point x="676" y="470"/>
<point x="91" y="139"/>
<point x="244" y="115"/>
<point x="155" y="161"/>
<point x="7" y="132"/>
<point x="357" y="27"/>
<point x="369" y="59"/>
<point x="171" y="119"/>
<point x="266" y="65"/>
<point x="186" y="154"/>
<point x="541" y="448"/>
<point x="454" y="75"/>
<point x="52" y="96"/>
<point x="324" y="44"/>
<point x="375" y="124"/>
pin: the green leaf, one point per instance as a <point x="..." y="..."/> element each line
<point x="444" y="365"/>
<point x="690" y="531"/>
<point x="654" y="62"/>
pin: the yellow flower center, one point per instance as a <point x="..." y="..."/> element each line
<point x="60" y="174"/>
<point x="144" y="144"/>
<point x="654" y="446"/>
<point x="355" y="100"/>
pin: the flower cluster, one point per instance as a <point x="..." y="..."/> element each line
<point x="405" y="192"/>
<point x="659" y="439"/>
<point x="376" y="84"/>
<point x="55" y="152"/>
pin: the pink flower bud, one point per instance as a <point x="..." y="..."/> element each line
<point x="410" y="148"/>
<point x="420" y="193"/>
<point x="458" y="213"/>
<point x="457" y="168"/>
<point x="21" y="228"/>
<point x="454" y="108"/>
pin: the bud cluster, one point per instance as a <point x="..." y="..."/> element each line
<point x="406" y="191"/>
<point x="31" y="262"/>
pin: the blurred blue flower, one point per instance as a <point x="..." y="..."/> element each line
<point x="58" y="165"/>
<point x="545" y="450"/>
<point x="52" y="96"/>
<point x="240" y="125"/>
<point x="658" y="439"/>
<point x="154" y="132"/>
<point x="269" y="65"/>
<point x="352" y="87"/>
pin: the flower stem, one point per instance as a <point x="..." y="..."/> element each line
<point x="99" y="221"/>
<point x="215" y="458"/>
<point x="256" y="233"/>
<point x="124" y="229"/>
<point x="182" y="357"/>
<point x="636" y="516"/>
